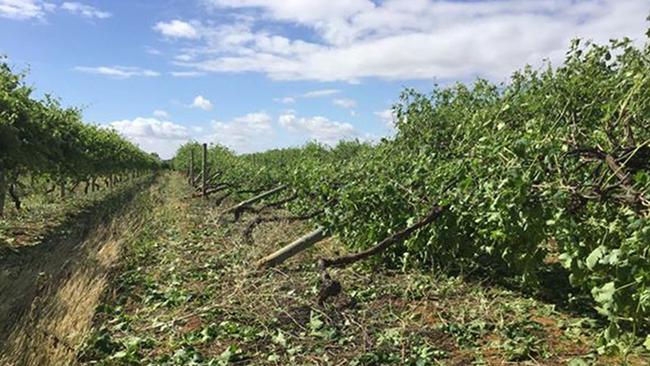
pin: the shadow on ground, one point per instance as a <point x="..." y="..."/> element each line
<point x="49" y="290"/>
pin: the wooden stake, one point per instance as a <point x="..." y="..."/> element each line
<point x="292" y="249"/>
<point x="197" y="179"/>
<point x="237" y="209"/>
<point x="213" y="177"/>
<point x="192" y="167"/>
<point x="204" y="172"/>
<point x="3" y="191"/>
<point x="212" y="190"/>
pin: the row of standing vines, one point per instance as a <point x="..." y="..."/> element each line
<point x="548" y="173"/>
<point x="42" y="139"/>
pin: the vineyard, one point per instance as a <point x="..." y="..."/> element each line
<point x="41" y="140"/>
<point x="501" y="224"/>
<point x="514" y="181"/>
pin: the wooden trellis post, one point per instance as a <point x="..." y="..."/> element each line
<point x="191" y="166"/>
<point x="204" y="174"/>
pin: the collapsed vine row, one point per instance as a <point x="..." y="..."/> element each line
<point x="550" y="169"/>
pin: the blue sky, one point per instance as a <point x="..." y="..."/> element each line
<point x="258" y="74"/>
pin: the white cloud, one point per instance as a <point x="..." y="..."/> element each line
<point x="183" y="57"/>
<point x="285" y="100"/>
<point x="118" y="72"/>
<point x="186" y="74"/>
<point x="201" y="102"/>
<point x="24" y="9"/>
<point x="387" y="117"/>
<point x="305" y="12"/>
<point x="320" y="93"/>
<point x="257" y="132"/>
<point x="152" y="51"/>
<point x="177" y="29"/>
<point x="318" y="128"/>
<point x="415" y="39"/>
<point x="308" y="95"/>
<point x="245" y="134"/>
<point x="346" y="103"/>
<point x="153" y="135"/>
<point x="150" y="127"/>
<point x="85" y="10"/>
<point x="36" y="9"/>
<point x="160" y="114"/>
<point x="249" y="133"/>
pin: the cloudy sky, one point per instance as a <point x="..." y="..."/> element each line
<point x="257" y="74"/>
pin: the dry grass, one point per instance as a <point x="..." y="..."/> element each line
<point x="50" y="290"/>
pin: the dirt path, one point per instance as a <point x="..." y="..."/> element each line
<point x="49" y="292"/>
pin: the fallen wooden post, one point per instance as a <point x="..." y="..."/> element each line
<point x="240" y="206"/>
<point x="204" y="171"/>
<point x="211" y="186"/>
<point x="292" y="249"/>
<point x="213" y="177"/>
<point x="209" y="191"/>
<point x="197" y="179"/>
<point x="277" y="204"/>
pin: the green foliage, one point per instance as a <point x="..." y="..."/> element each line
<point x="553" y="164"/>
<point x="522" y="341"/>
<point x="42" y="137"/>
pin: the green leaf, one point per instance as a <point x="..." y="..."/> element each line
<point x="604" y="294"/>
<point x="315" y="323"/>
<point x="566" y="260"/>
<point x="613" y="258"/>
<point x="119" y="355"/>
<point x="577" y="362"/>
<point x="595" y="256"/>
<point x="280" y="339"/>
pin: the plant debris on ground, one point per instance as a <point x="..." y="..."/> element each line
<point x="189" y="294"/>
